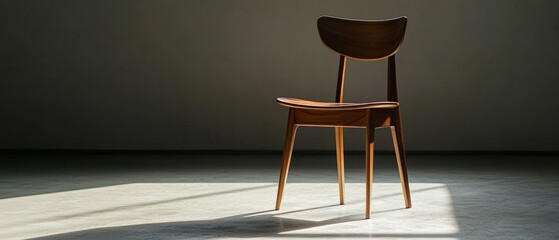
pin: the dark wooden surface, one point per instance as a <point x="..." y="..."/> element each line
<point x="308" y="104"/>
<point x="364" y="40"/>
<point x="360" y="40"/>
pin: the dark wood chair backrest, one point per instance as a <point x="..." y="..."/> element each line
<point x="362" y="39"/>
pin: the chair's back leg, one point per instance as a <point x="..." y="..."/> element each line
<point x="398" y="141"/>
<point x="287" y="151"/>
<point x="340" y="158"/>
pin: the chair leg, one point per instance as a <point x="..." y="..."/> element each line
<point x="340" y="158"/>
<point x="398" y="141"/>
<point x="369" y="152"/>
<point x="287" y="151"/>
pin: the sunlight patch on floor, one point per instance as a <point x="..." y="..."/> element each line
<point x="231" y="210"/>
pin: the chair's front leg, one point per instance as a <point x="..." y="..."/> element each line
<point x="340" y="158"/>
<point x="287" y="151"/>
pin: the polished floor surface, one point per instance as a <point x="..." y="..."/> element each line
<point x="232" y="196"/>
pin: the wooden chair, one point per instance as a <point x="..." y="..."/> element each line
<point x="362" y="40"/>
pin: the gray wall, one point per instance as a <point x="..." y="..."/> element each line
<point x="473" y="75"/>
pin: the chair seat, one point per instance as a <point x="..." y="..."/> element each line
<point x="306" y="104"/>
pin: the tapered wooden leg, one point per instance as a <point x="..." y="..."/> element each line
<point x="398" y="140"/>
<point x="369" y="152"/>
<point x="287" y="151"/>
<point x="340" y="157"/>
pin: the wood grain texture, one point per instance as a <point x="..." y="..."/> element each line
<point x="369" y="161"/>
<point x="331" y="118"/>
<point x="316" y="105"/>
<point x="362" y="39"/>
<point x="287" y="152"/>
<point x="398" y="141"/>
<point x="339" y="132"/>
<point x="392" y="87"/>
<point x="341" y="79"/>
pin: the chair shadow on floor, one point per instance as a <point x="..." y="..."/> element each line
<point x="266" y="224"/>
<point x="256" y="224"/>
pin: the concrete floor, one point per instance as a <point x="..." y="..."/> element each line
<point x="156" y="196"/>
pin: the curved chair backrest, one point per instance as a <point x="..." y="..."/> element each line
<point x="362" y="39"/>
